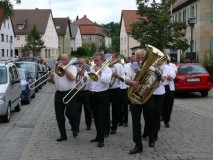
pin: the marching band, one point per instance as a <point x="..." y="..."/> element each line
<point x="103" y="88"/>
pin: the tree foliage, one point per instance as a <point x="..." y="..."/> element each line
<point x="34" y="42"/>
<point x="156" y="28"/>
<point x="114" y="34"/>
<point x="7" y="7"/>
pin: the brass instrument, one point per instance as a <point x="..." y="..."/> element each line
<point x="78" y="86"/>
<point x="111" y="65"/>
<point x="152" y="58"/>
<point x="94" y="76"/>
<point x="60" y="71"/>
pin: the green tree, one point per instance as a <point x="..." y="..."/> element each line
<point x="7" y="7"/>
<point x="114" y="34"/>
<point x="156" y="28"/>
<point x="34" y="42"/>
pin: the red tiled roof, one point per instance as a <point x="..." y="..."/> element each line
<point x="181" y="3"/>
<point x="91" y="30"/>
<point x="129" y="17"/>
<point x="62" y="23"/>
<point x="83" y="21"/>
<point x="30" y="17"/>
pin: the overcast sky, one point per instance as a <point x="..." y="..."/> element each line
<point x="100" y="11"/>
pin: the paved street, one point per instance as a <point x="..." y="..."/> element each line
<point x="32" y="134"/>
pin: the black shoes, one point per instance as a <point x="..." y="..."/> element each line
<point x="75" y="132"/>
<point x="113" y="131"/>
<point x="144" y="136"/>
<point x="151" y="144"/>
<point x="62" y="138"/>
<point x="100" y="145"/>
<point x="125" y="125"/>
<point x="120" y="124"/>
<point x="167" y="125"/>
<point x="136" y="150"/>
<point x="88" y="128"/>
<point x="94" y="140"/>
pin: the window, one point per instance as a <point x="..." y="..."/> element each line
<point x="192" y="11"/>
<point x="20" y="26"/>
<point x="18" y="37"/>
<point x="184" y="16"/>
<point x="25" y="38"/>
<point x="2" y="52"/>
<point x="180" y="16"/>
<point x="2" y="37"/>
<point x="6" y="38"/>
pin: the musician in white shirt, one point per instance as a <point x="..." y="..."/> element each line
<point x="63" y="85"/>
<point x="115" y="92"/>
<point x="83" y="94"/>
<point x="123" y="118"/>
<point x="99" y="96"/>
<point x="170" y="93"/>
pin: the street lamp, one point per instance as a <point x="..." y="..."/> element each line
<point x="191" y="22"/>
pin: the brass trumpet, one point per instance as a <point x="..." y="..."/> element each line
<point x="94" y="76"/>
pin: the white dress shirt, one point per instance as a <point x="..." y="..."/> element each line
<point x="63" y="83"/>
<point x="120" y="71"/>
<point x="172" y="71"/>
<point x="128" y="75"/>
<point x="103" y="80"/>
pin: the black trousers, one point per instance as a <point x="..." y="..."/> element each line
<point x="159" y="100"/>
<point x="148" y="112"/>
<point x="115" y="99"/>
<point x="61" y="110"/>
<point x="124" y="107"/>
<point x="168" y="104"/>
<point x="83" y="98"/>
<point x="99" y="104"/>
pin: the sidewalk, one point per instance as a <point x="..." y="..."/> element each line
<point x="34" y="137"/>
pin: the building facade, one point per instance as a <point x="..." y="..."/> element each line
<point x="6" y="39"/>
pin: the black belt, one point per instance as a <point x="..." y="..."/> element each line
<point x="94" y="92"/>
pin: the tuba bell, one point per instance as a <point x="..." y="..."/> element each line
<point x="147" y="77"/>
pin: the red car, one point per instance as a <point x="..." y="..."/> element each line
<point x="192" y="77"/>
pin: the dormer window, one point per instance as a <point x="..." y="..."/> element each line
<point x="58" y="27"/>
<point x="20" y="26"/>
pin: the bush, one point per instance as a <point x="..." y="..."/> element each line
<point x="207" y="60"/>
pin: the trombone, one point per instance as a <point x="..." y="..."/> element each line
<point x="74" y="88"/>
<point x="92" y="76"/>
<point x="59" y="70"/>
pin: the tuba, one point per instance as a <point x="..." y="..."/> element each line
<point x="147" y="76"/>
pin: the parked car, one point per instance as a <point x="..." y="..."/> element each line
<point x="192" y="77"/>
<point x="10" y="89"/>
<point x="26" y="80"/>
<point x="33" y="69"/>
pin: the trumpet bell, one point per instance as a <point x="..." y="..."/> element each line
<point x="93" y="76"/>
<point x="59" y="71"/>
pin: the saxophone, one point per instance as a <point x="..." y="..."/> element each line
<point x="147" y="76"/>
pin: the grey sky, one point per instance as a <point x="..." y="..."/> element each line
<point x="98" y="11"/>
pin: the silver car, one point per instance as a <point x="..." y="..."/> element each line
<point x="10" y="89"/>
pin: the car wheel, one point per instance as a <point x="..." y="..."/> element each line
<point x="204" y="93"/>
<point x="18" y="107"/>
<point x="6" y="117"/>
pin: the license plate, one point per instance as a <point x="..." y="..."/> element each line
<point x="193" y="80"/>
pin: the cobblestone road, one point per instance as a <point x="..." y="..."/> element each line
<point x="32" y="133"/>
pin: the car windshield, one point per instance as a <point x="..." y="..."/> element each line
<point x="3" y="75"/>
<point x="22" y="74"/>
<point x="28" y="66"/>
<point x="192" y="69"/>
